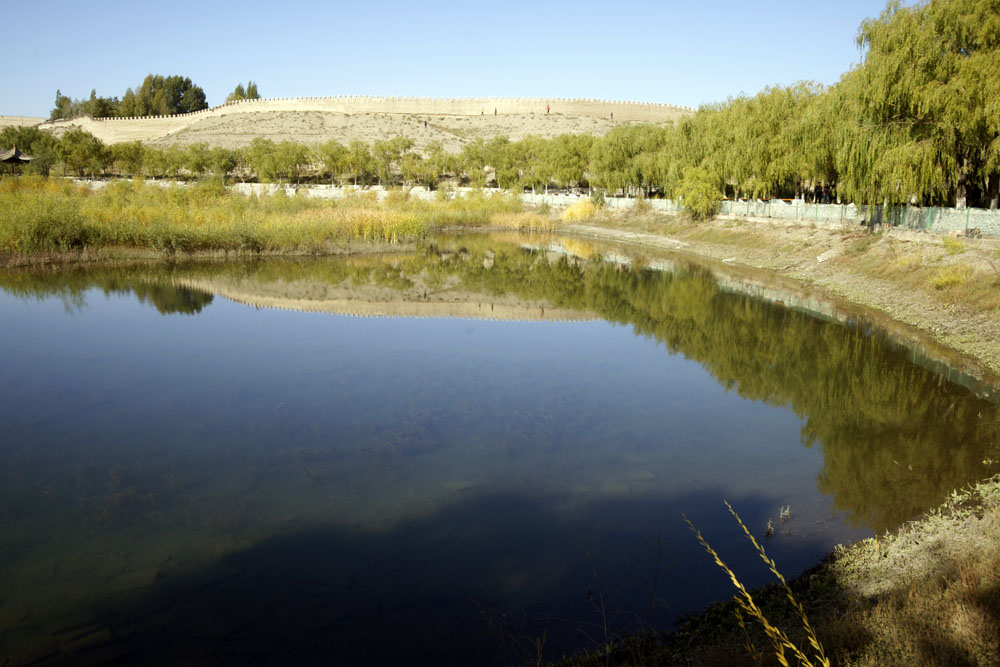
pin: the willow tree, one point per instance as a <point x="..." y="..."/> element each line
<point x="83" y="153"/>
<point x="763" y="144"/>
<point x="473" y="162"/>
<point x="815" y="134"/>
<point x="128" y="157"/>
<point x="567" y="158"/>
<point x="922" y="107"/>
<point x="613" y="157"/>
<point x="504" y="157"/>
<point x="331" y="155"/>
<point x="357" y="162"/>
<point x="536" y="170"/>
<point x="439" y="162"/>
<point x="386" y="156"/>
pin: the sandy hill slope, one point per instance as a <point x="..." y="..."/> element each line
<point x="314" y="127"/>
<point x="453" y="122"/>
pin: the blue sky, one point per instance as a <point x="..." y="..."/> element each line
<point x="686" y="53"/>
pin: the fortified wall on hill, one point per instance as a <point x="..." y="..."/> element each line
<point x="115" y="130"/>
<point x="469" y="106"/>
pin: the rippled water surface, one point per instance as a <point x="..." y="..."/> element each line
<point x="433" y="457"/>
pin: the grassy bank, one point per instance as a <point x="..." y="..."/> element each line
<point x="39" y="216"/>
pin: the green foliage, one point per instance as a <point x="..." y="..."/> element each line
<point x="157" y="96"/>
<point x="922" y="119"/>
<point x="43" y="147"/>
<point x="358" y="163"/>
<point x="128" y="157"/>
<point x="567" y="157"/>
<point x="386" y="156"/>
<point x="473" y="161"/>
<point x="699" y="193"/>
<point x="160" y="96"/>
<point x="83" y="154"/>
<point x="241" y="93"/>
<point x="332" y="156"/>
<point x="96" y="107"/>
<point x="614" y="157"/>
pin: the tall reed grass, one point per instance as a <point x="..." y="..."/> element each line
<point x="41" y="215"/>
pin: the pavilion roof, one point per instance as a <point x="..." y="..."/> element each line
<point x="14" y="155"/>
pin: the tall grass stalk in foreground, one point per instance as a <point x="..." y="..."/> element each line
<point x="745" y="602"/>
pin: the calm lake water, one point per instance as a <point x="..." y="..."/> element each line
<point x="433" y="457"/>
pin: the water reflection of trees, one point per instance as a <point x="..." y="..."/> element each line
<point x="896" y="437"/>
<point x="151" y="285"/>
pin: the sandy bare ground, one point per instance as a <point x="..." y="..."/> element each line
<point x="315" y="127"/>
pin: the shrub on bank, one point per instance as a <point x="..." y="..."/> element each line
<point x="699" y="194"/>
<point x="581" y="211"/>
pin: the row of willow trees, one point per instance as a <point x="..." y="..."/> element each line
<point x="530" y="163"/>
<point x="918" y="121"/>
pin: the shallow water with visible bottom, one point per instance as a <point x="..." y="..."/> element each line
<point x="432" y="458"/>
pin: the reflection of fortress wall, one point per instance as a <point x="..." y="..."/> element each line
<point x="251" y="293"/>
<point x="114" y="130"/>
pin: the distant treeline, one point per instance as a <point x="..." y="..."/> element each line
<point x="561" y="161"/>
<point x="157" y="96"/>
<point x="916" y="122"/>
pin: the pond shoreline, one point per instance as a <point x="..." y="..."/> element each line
<point x="891" y="273"/>
<point x="828" y="257"/>
<point x="883" y="600"/>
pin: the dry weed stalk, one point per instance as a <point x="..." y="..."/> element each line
<point x="745" y="602"/>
